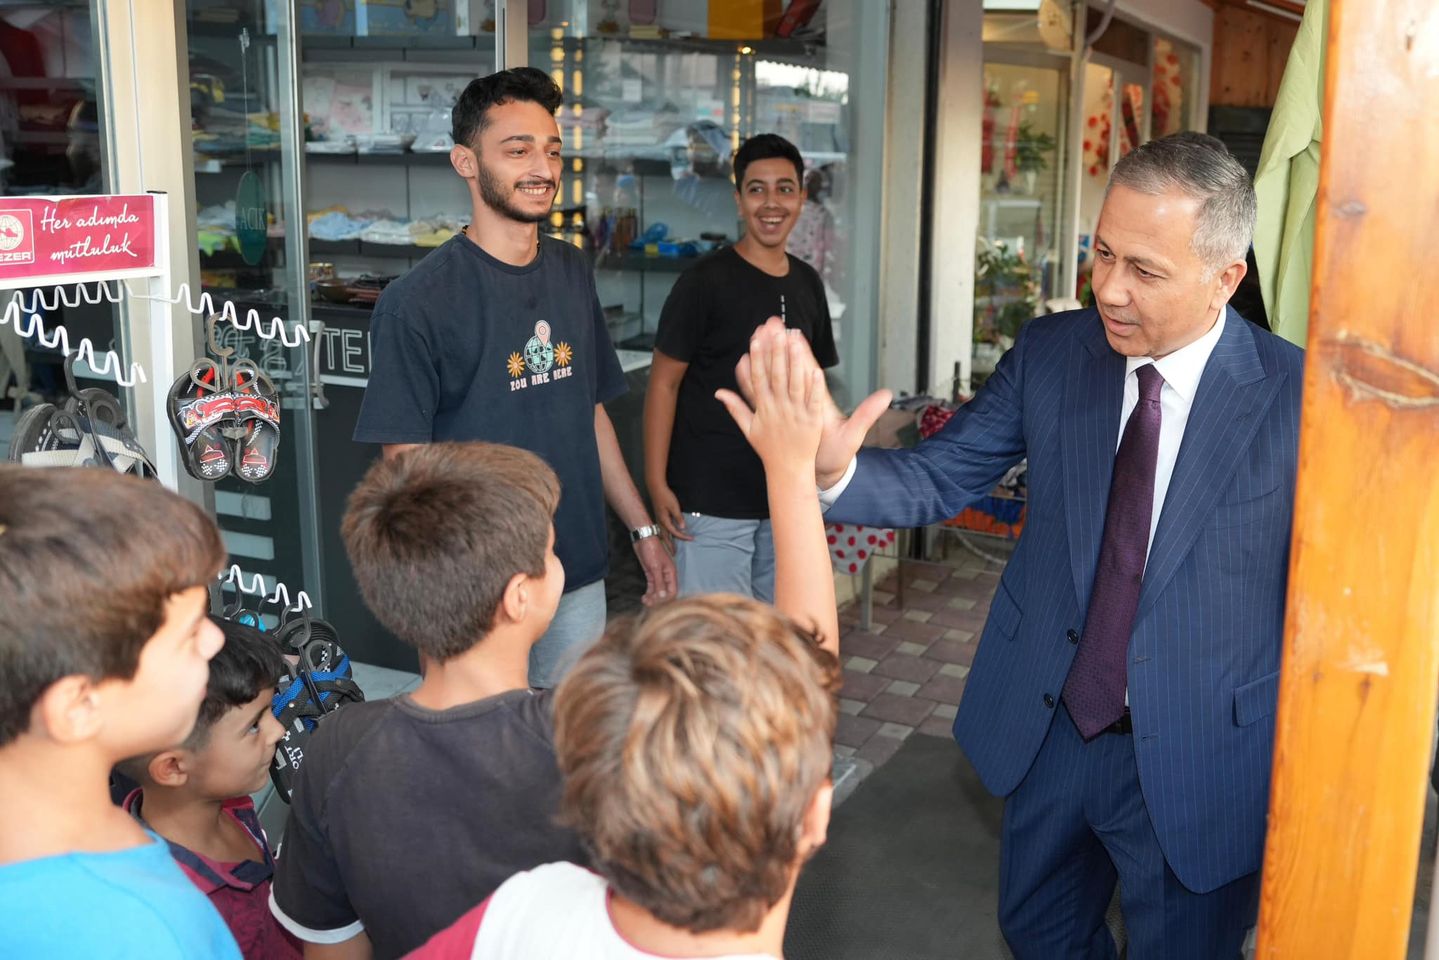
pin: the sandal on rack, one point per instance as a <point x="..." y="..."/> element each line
<point x="322" y="682"/>
<point x="200" y="406"/>
<point x="257" y="413"/>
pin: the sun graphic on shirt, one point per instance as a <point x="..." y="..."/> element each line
<point x="563" y="354"/>
<point x="515" y="364"/>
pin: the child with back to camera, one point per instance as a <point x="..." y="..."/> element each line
<point x="696" y="744"/>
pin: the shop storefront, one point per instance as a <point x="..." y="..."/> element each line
<point x="318" y="168"/>
<point x="304" y="149"/>
<point x="1065" y="91"/>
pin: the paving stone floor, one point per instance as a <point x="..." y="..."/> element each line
<point x="906" y="672"/>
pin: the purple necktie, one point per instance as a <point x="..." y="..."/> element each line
<point x="1094" y="690"/>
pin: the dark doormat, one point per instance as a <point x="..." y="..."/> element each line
<point x="911" y="869"/>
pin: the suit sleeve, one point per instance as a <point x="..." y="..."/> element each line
<point x="952" y="469"/>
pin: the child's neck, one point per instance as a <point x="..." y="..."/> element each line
<point x="643" y="930"/>
<point x="56" y="799"/>
<point x="499" y="663"/>
<point x="198" y="824"/>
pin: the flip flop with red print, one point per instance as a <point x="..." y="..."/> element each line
<point x="200" y="406"/>
<point x="257" y="412"/>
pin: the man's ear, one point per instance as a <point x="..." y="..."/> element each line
<point x="515" y="601"/>
<point x="464" y="161"/>
<point x="1227" y="281"/>
<point x="814" y="828"/>
<point x="170" y="768"/>
<point x="69" y="711"/>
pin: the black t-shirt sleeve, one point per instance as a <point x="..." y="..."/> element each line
<point x="822" y="343"/>
<point x="684" y="319"/>
<point x="609" y="375"/>
<point x="307" y="887"/>
<point x="404" y="388"/>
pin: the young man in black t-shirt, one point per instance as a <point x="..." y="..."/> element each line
<point x="498" y="335"/>
<point x="706" y="484"/>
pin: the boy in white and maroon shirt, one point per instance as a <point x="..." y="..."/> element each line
<point x="196" y="795"/>
<point x="695" y="744"/>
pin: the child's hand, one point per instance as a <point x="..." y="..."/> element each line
<point x="789" y="403"/>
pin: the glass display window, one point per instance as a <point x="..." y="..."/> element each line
<point x="1021" y="185"/>
<point x="52" y="142"/>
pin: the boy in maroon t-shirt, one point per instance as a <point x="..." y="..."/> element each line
<point x="196" y="795"/>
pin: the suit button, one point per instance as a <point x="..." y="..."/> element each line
<point x="1049" y="701"/>
<point x="1073" y="636"/>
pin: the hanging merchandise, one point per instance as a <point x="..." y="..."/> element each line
<point x="88" y="431"/>
<point x="226" y="420"/>
<point x="321" y="681"/>
<point x="319" y="678"/>
<point x="80" y="246"/>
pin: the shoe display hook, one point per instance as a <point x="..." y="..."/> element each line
<point x="220" y="353"/>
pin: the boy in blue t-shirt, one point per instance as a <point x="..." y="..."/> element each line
<point x="104" y="654"/>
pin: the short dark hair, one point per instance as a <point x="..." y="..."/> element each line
<point x="470" y="115"/>
<point x="435" y="534"/>
<point x="248" y="663"/>
<point x="692" y="740"/>
<point x="766" y="146"/>
<point x="88" y="559"/>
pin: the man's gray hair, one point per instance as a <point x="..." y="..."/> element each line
<point x="1202" y="167"/>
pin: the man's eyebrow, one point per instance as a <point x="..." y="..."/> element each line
<point x="1147" y="264"/>
<point x="1143" y="262"/>
<point x="258" y="714"/>
<point x="529" y="138"/>
<point x="782" y="180"/>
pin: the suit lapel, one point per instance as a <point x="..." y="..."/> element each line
<point x="1093" y="396"/>
<point x="1229" y="405"/>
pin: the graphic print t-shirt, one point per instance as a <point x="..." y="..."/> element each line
<point x="707" y="322"/>
<point x="466" y="347"/>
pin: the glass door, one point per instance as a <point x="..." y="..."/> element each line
<point x="247" y="139"/>
<point x="1021" y="185"/>
<point x="1116" y="119"/>
<point x="50" y="144"/>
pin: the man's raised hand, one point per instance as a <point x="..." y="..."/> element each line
<point x="841" y="436"/>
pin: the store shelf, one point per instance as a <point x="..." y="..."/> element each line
<point x="407" y="158"/>
<point x="640" y="263"/>
<point x="363" y="248"/>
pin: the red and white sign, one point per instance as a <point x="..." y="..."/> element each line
<point x="72" y="237"/>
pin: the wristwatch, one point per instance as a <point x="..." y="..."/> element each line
<point x="640" y="533"/>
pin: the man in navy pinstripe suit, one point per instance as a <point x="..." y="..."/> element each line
<point x="1122" y="695"/>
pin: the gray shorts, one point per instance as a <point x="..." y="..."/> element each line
<point x="726" y="556"/>
<point x="578" y="623"/>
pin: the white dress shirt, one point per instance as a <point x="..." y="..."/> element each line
<point x="1181" y="371"/>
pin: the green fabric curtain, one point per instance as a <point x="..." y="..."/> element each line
<point x="1287" y="181"/>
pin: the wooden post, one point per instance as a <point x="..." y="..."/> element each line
<point x="1361" y="656"/>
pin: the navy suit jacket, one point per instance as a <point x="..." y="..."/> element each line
<point x="1204" y="655"/>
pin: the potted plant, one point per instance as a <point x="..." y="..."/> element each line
<point x="1030" y="149"/>
<point x="1006" y="289"/>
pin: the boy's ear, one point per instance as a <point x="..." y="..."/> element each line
<point x="515" y="601"/>
<point x="814" y="828"/>
<point x="69" y="711"/>
<point x="169" y="768"/>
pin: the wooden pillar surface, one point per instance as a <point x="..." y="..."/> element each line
<point x="1357" y="697"/>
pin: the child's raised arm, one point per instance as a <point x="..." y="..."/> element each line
<point x="790" y="403"/>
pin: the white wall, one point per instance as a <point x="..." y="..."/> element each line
<point x="956" y="190"/>
<point x="903" y="186"/>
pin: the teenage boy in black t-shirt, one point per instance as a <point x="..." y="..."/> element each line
<point x="498" y="335"/>
<point x="706" y="484"/>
